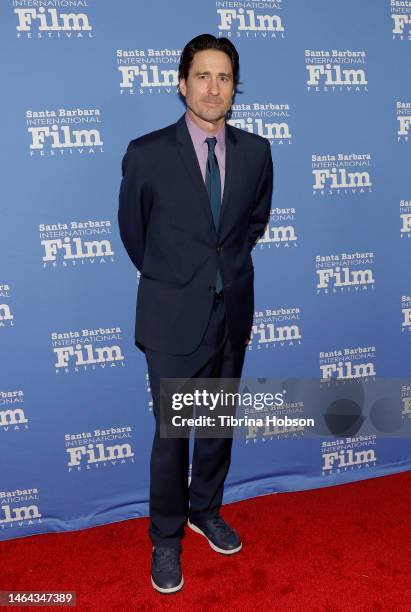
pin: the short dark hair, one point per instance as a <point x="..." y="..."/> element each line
<point x="204" y="42"/>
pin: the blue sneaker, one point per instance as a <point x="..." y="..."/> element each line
<point x="166" y="575"/>
<point x="219" y="534"/>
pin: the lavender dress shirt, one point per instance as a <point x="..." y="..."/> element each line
<point x="198" y="137"/>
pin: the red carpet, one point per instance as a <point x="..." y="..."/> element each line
<point x="339" y="548"/>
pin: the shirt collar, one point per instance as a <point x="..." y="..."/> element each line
<point x="198" y="135"/>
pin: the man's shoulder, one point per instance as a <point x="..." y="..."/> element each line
<point x="155" y="137"/>
<point x="167" y="134"/>
<point x="248" y="139"/>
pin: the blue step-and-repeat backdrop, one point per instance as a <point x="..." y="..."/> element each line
<point x="328" y="84"/>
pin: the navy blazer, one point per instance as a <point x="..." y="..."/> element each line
<point x="167" y="228"/>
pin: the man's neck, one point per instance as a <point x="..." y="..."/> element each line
<point x="211" y="128"/>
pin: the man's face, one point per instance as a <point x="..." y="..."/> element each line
<point x="209" y="88"/>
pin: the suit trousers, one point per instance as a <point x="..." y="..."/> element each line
<point x="172" y="498"/>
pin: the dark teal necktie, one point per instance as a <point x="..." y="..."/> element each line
<point x="213" y="186"/>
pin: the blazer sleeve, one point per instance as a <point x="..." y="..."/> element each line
<point x="261" y="211"/>
<point x="134" y="205"/>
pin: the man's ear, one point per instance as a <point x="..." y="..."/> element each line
<point x="182" y="87"/>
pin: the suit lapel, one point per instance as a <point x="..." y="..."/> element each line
<point x="231" y="168"/>
<point x="189" y="157"/>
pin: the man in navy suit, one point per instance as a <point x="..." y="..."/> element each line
<point x="194" y="199"/>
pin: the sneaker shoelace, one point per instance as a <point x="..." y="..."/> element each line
<point x="222" y="525"/>
<point x="165" y="558"/>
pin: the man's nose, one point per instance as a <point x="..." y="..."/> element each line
<point x="214" y="86"/>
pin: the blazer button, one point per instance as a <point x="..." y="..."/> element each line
<point x="211" y="288"/>
<point x="219" y="249"/>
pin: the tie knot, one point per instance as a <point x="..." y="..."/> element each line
<point x="211" y="143"/>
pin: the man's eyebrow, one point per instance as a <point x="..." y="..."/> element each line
<point x="208" y="72"/>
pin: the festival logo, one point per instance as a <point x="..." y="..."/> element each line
<point x="405" y="217"/>
<point x="275" y="328"/>
<point x="403" y="120"/>
<point x="400" y="19"/>
<point x="348" y="363"/>
<point x="333" y="70"/>
<point x="64" y="131"/>
<point x="269" y="120"/>
<point x="348" y="454"/>
<point x="280" y="230"/>
<point x="87" y="350"/>
<point x="6" y="313"/>
<point x="250" y="19"/>
<point x="76" y="243"/>
<point x="19" y="509"/>
<point x="12" y="413"/>
<point x="49" y="19"/>
<point x="99" y="449"/>
<point x="406" y="313"/>
<point x="406" y="402"/>
<point x="148" y="71"/>
<point x="345" y="272"/>
<point x="268" y="432"/>
<point x="341" y="174"/>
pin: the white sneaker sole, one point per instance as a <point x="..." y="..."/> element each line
<point x="170" y="589"/>
<point x="213" y="546"/>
